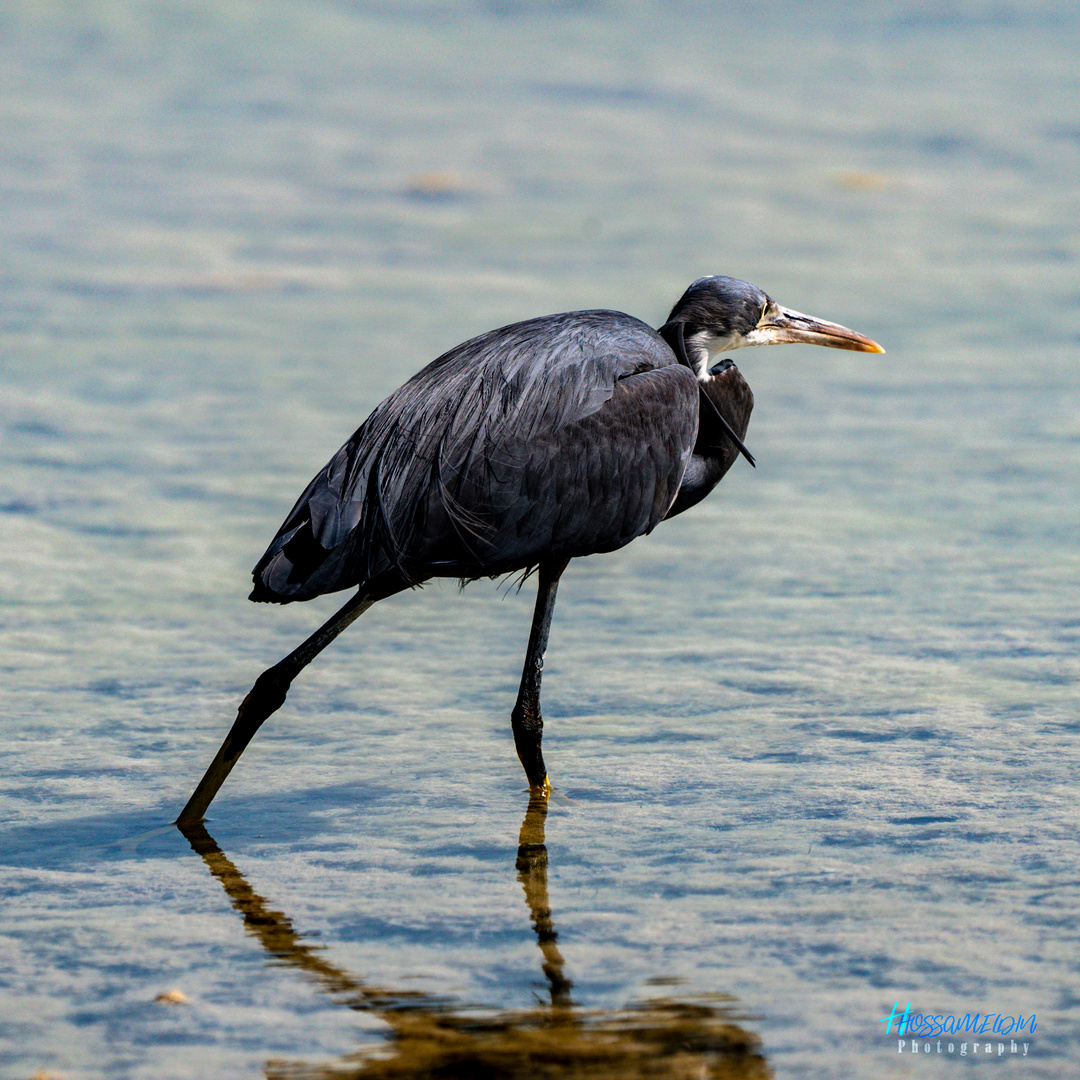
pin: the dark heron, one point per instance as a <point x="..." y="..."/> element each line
<point x="520" y="450"/>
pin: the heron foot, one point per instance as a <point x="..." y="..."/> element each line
<point x="540" y="791"/>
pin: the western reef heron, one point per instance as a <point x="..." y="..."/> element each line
<point x="519" y="450"/>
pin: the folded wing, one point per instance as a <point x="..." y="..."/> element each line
<point x="555" y="437"/>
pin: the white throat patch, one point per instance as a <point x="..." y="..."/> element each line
<point x="703" y="346"/>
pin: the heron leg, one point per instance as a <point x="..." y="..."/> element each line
<point x="263" y="700"/>
<point x="526" y="720"/>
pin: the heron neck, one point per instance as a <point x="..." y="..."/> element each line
<point x="714" y="452"/>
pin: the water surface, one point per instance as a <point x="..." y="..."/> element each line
<point x="814" y="743"/>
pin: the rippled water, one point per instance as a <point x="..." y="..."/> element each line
<point x="814" y="743"/>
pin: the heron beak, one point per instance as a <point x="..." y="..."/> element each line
<point x="779" y="326"/>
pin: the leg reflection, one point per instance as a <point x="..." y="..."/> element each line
<point x="278" y="936"/>
<point x="532" y="862"/>
<point x="431" y="1037"/>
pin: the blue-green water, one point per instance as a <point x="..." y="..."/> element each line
<point x="815" y="743"/>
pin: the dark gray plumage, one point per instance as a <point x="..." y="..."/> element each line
<point x="523" y="448"/>
<point x="490" y="460"/>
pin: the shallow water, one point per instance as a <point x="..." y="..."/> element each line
<point x="814" y="743"/>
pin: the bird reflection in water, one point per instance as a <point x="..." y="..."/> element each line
<point x="431" y="1037"/>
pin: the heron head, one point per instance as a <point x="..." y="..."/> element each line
<point x="722" y="313"/>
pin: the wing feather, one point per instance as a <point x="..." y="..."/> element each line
<point x="563" y="435"/>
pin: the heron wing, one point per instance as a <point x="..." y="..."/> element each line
<point x="590" y="484"/>
<point x="563" y="435"/>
